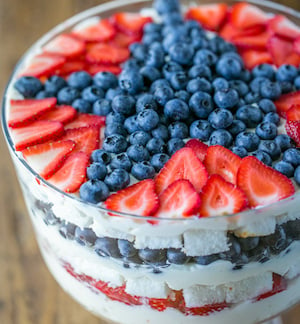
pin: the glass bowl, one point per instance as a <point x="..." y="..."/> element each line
<point x="246" y="272"/>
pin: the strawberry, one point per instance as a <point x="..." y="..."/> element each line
<point x="43" y="65"/>
<point x="106" y="54"/>
<point x="87" y="139"/>
<point x="183" y="164"/>
<point x="206" y="309"/>
<point x="279" y="285"/>
<point x="297" y="45"/>
<point x="245" y="15"/>
<point x="220" y="197"/>
<point x="65" y="45"/>
<point x="262" y="184"/>
<point x="99" y="32"/>
<point x="286" y="101"/>
<point x="35" y="133"/>
<point x="85" y="120"/>
<point x="174" y="300"/>
<point x="293" y="113"/>
<point x="282" y="26"/>
<point x="124" y="40"/>
<point x="48" y="157"/>
<point x="293" y="130"/>
<point x="257" y="42"/>
<point x="178" y="199"/>
<point x="138" y="199"/>
<point x="282" y="51"/>
<point x="198" y="147"/>
<point x="95" y="68"/>
<point x="71" y="66"/>
<point x="62" y="113"/>
<point x="229" y="31"/>
<point x="253" y="58"/>
<point x="72" y="174"/>
<point x="130" y="23"/>
<point x="24" y="111"/>
<point x="220" y="160"/>
<point x="211" y="16"/>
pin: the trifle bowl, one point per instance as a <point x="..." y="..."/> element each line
<point x="160" y="163"/>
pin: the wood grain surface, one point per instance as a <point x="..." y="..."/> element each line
<point x="28" y="293"/>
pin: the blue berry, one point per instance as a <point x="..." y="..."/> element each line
<point x="220" y="118"/>
<point x="286" y="86"/>
<point x="272" y="117"/>
<point x="160" y="83"/>
<point x="131" y="124"/>
<point x="284" y="142"/>
<point x="206" y="259"/>
<point x="96" y="171"/>
<point x="152" y="256"/>
<point x="264" y="70"/>
<point x="118" y="179"/>
<point x="181" y="53"/>
<point x="111" y="93"/>
<point x="105" y="80"/>
<point x="67" y="230"/>
<point x="67" y="95"/>
<point x="127" y="248"/>
<point x="292" y="155"/>
<point x="201" y="129"/>
<point x="170" y="68"/>
<point x="101" y="107"/>
<point x="263" y="157"/>
<point x="132" y="64"/>
<point x="138" y="153"/>
<point x="177" y="256"/>
<point x="256" y="83"/>
<point x="236" y="127"/>
<point x="227" y="98"/>
<point x="114" y="117"/>
<point x="131" y="81"/>
<point x="54" y="83"/>
<point x="206" y="57"/>
<point x="252" y="97"/>
<point x="147" y="119"/>
<point x="240" y="86"/>
<point x="115" y="144"/>
<point x="156" y="145"/>
<point x="166" y="6"/>
<point x="297" y="83"/>
<point x="139" y="137"/>
<point x="94" y="191"/>
<point x="285" y="168"/>
<point x="155" y="57"/>
<point x="28" y="86"/>
<point x="201" y="71"/>
<point x="221" y="137"/>
<point x="85" y="236"/>
<point x="199" y="84"/>
<point x="297" y="175"/>
<point x="179" y="80"/>
<point x="44" y="94"/>
<point x="270" y="90"/>
<point x="92" y="93"/>
<point x="250" y="115"/>
<point x="270" y="147"/>
<point x="148" y="39"/>
<point x="183" y="95"/>
<point x="150" y="74"/>
<point x="145" y="101"/>
<point x="176" y="110"/>
<point x="174" y="144"/>
<point x="138" y="51"/>
<point x="267" y="106"/>
<point x="266" y="130"/>
<point x="179" y="130"/>
<point x="115" y="128"/>
<point x="107" y="247"/>
<point x="121" y="161"/>
<point x="80" y="80"/>
<point x="123" y="104"/>
<point x="173" y="18"/>
<point x="101" y="156"/>
<point x="220" y="84"/>
<point x="201" y="104"/>
<point x="248" y="140"/>
<point x="143" y="170"/>
<point x="161" y="131"/>
<point x="163" y="94"/>
<point x="240" y="151"/>
<point x="286" y="72"/>
<point x="159" y="160"/>
<point x="229" y="67"/>
<point x="152" y="28"/>
<point x="82" y="105"/>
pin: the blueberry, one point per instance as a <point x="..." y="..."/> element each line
<point x="201" y="104"/>
<point x="179" y="80"/>
<point x="276" y="241"/>
<point x="181" y="53"/>
<point x="250" y="115"/>
<point x="297" y="175"/>
<point x="148" y="39"/>
<point x="174" y="144"/>
<point x="118" y="179"/>
<point x="264" y="70"/>
<point x="143" y="170"/>
<point x="156" y="145"/>
<point x="166" y="6"/>
<point x="44" y="94"/>
<point x="67" y="95"/>
<point x="170" y="68"/>
<point x="82" y="105"/>
<point x="131" y="124"/>
<point x="221" y="137"/>
<point x="159" y="160"/>
<point x="85" y="236"/>
<point x="105" y="80"/>
<point x="126" y="248"/>
<point x="160" y="83"/>
<point x="107" y="247"/>
<point x="177" y="256"/>
<point x="152" y="28"/>
<point x="131" y="81"/>
<point x="297" y="83"/>
<point x="284" y="142"/>
<point x="271" y="148"/>
<point x="179" y="130"/>
<point x="206" y="259"/>
<point x="201" y="129"/>
<point x="139" y="137"/>
<point x="286" y="72"/>
<point x="115" y="144"/>
<point x="240" y="86"/>
<point x="272" y="117"/>
<point x="267" y="106"/>
<point x="249" y="243"/>
<point x="67" y="230"/>
<point x="229" y="67"/>
<point x="123" y="104"/>
<point x="270" y="90"/>
<point x="155" y="57"/>
<point x="173" y="18"/>
<point x="260" y="254"/>
<point x="176" y="110"/>
<point x="101" y="156"/>
<point x="116" y="128"/>
<point x="183" y="95"/>
<point x="101" y="107"/>
<point x="54" y="83"/>
<point x="220" y="118"/>
<point x="236" y="127"/>
<point x="147" y="119"/>
<point x="220" y="84"/>
<point x="80" y="80"/>
<point x="240" y="151"/>
<point x="145" y="101"/>
<point x="163" y="94"/>
<point x="206" y="57"/>
<point x="121" y="161"/>
<point x="28" y="86"/>
<point x="201" y="71"/>
<point x="152" y="256"/>
<point x="114" y="117"/>
<point x="266" y="130"/>
<point x="138" y="51"/>
<point x="286" y="86"/>
<point x="161" y="131"/>
<point x="199" y="84"/>
<point x="111" y="93"/>
<point x="292" y="230"/>
<point x="285" y="168"/>
<point x="292" y="155"/>
<point x="150" y="74"/>
<point x="96" y="170"/>
<point x="94" y="191"/>
<point x="234" y="253"/>
<point x="252" y="97"/>
<point x="263" y="157"/>
<point x="138" y="153"/>
<point x="248" y="140"/>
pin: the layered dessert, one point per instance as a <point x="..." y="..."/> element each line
<point x="158" y="153"/>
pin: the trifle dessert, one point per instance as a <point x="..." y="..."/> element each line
<point x="157" y="147"/>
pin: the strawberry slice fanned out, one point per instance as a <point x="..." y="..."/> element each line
<point x="293" y="113"/>
<point x="286" y="101"/>
<point x="282" y="26"/>
<point x="211" y="16"/>
<point x="263" y="185"/>
<point x="62" y="113"/>
<point x="183" y="164"/>
<point x="252" y="58"/>
<point x="72" y="174"/>
<point x="179" y="199"/>
<point x="258" y="42"/>
<point x="228" y="31"/>
<point x="219" y="197"/>
<point x="130" y="23"/>
<point x="292" y="128"/>
<point x="48" y="157"/>
<point x="198" y="147"/>
<point x="25" y="111"/>
<point x="297" y="45"/>
<point x="35" y="133"/>
<point x="220" y="160"/>
<point x="138" y="199"/>
<point x="124" y="40"/>
<point x="71" y="66"/>
<point x="85" y="120"/>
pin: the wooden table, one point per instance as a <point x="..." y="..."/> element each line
<point x="28" y="293"/>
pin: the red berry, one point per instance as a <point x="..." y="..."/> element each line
<point x="198" y="147"/>
<point x="286" y="101"/>
<point x="130" y="23"/>
<point x="282" y="26"/>
<point x="63" y="114"/>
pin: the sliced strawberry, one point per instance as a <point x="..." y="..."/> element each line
<point x="178" y="200"/>
<point x="35" y="133"/>
<point x="95" y="68"/>
<point x="245" y="15"/>
<point x="99" y="32"/>
<point x="282" y="26"/>
<point x="72" y="174"/>
<point x="48" y="157"/>
<point x="263" y="185"/>
<point x="130" y="23"/>
<point x="106" y="54"/>
<point x="138" y="199"/>
<point x="293" y="113"/>
<point x="198" y="147"/>
<point x="124" y="40"/>
<point x="62" y="113"/>
<point x="279" y="285"/>
<point x="220" y="160"/>
<point x="258" y="42"/>
<point x="293" y="130"/>
<point x="252" y="58"/>
<point x="71" y="66"/>
<point x="282" y="51"/>
<point x="184" y="164"/>
<point x="43" y="65"/>
<point x="85" y="120"/>
<point x="65" y="45"/>
<point x="24" y="111"/>
<point x="297" y="45"/>
<point x="174" y="300"/>
<point x="286" y="101"/>
<point x="220" y="197"/>
<point x="229" y="31"/>
<point x="87" y="139"/>
<point x="206" y="309"/>
<point x="211" y="16"/>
